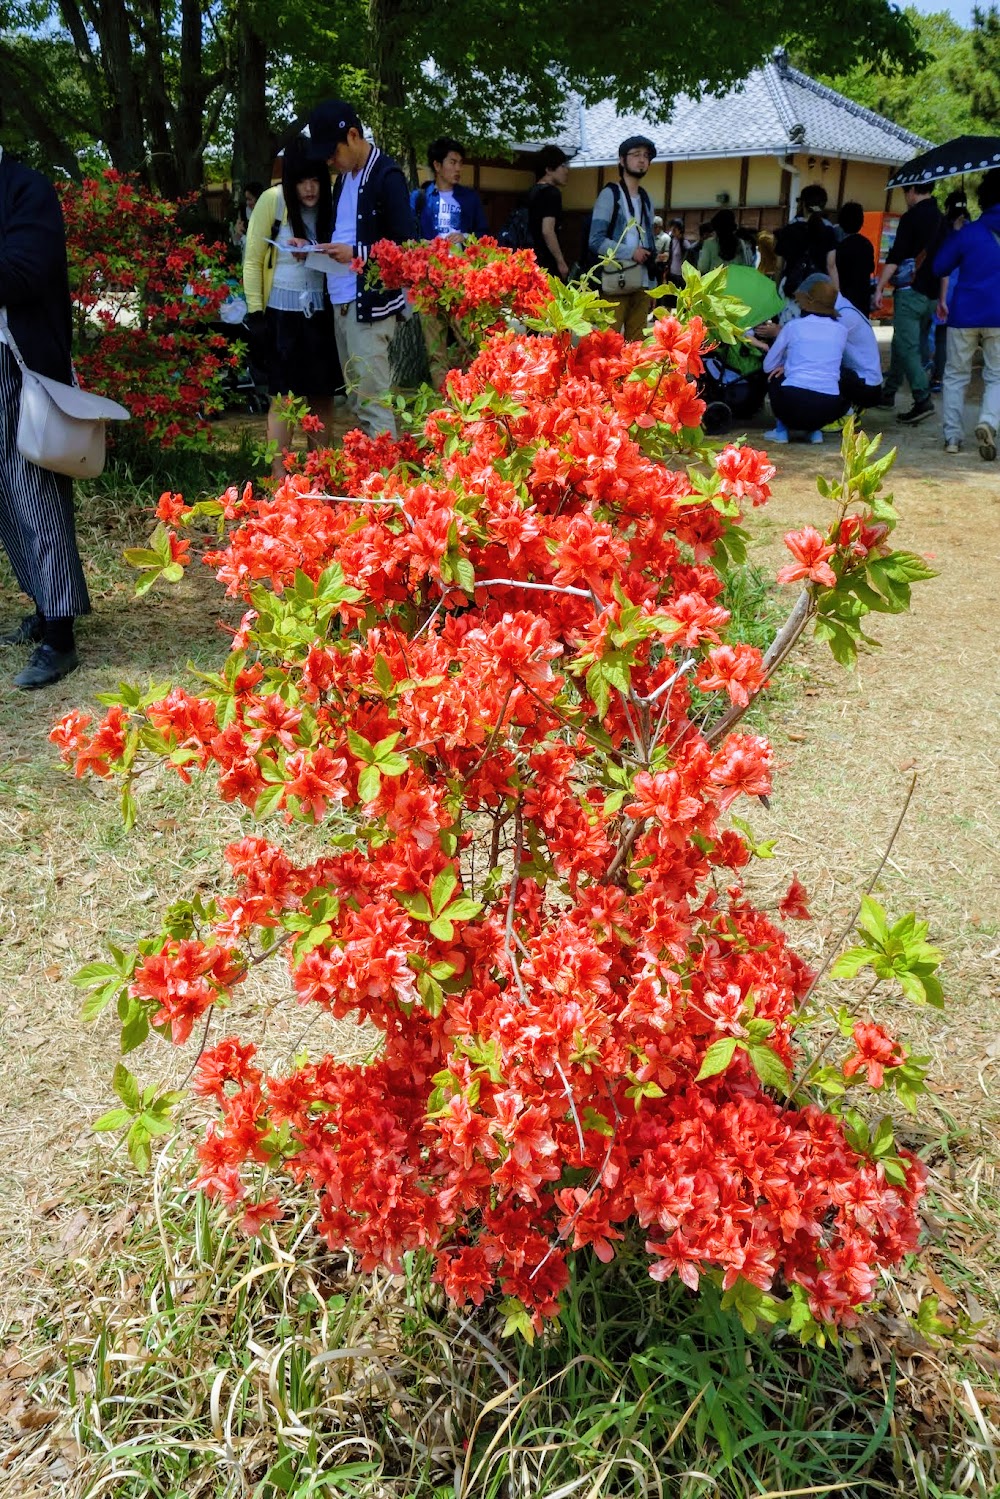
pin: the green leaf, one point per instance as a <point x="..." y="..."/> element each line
<point x="113" y="1119"/>
<point x="593" y="1119"/>
<point x="465" y="575"/>
<point x="717" y="1057"/>
<point x="517" y="1319"/>
<point x="463" y="909"/>
<point x="851" y="962"/>
<point x="268" y="800"/>
<point x="92" y="975"/>
<point x="126" y="1087"/>
<point x="382" y="672"/>
<point x="442" y="888"/>
<point x="597" y="687"/>
<point x="98" y="1001"/>
<point x="135" y="1029"/>
<point x="137" y="1141"/>
<point x="360" y="747"/>
<point x="128" y="808"/>
<point x="442" y="928"/>
<point x="369" y="783"/>
<point x="417" y="905"/>
<point x="873" y="920"/>
<point x="907" y="566"/>
<point x="769" y="1068"/>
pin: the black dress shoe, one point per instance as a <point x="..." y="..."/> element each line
<point x="27" y="632"/>
<point x="918" y="412"/>
<point x="46" y="667"/>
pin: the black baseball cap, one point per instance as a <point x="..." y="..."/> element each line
<point x="635" y="143"/>
<point x="329" y="124"/>
<point x="548" y="158"/>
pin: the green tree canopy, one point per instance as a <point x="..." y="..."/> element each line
<point x="957" y="93"/>
<point x="165" y="83"/>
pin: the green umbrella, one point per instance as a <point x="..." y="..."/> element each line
<point x="758" y="292"/>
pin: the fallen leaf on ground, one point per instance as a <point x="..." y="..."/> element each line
<point x="35" y="1417"/>
<point x="73" y="1228"/>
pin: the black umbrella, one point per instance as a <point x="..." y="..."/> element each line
<point x="967" y="153"/>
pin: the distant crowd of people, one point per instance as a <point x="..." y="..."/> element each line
<point x="322" y="329"/>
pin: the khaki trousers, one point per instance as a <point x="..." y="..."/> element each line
<point x="631" y="312"/>
<point x="435" y="331"/>
<point x="364" y="358"/>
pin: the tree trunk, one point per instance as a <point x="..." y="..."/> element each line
<point x="386" y="23"/>
<point x="125" y="137"/>
<point x="253" y="140"/>
<point x="192" y="97"/>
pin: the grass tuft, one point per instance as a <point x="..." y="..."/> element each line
<point x="185" y="1359"/>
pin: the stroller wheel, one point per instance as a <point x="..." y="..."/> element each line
<point x="717" y="420"/>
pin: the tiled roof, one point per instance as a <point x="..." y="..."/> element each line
<point x="777" y="110"/>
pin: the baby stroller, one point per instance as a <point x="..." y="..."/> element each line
<point x="244" y="384"/>
<point x="734" y="384"/>
<point x="733" y="387"/>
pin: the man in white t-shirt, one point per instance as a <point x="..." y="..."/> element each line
<point x="370" y="202"/>
<point x="444" y="208"/>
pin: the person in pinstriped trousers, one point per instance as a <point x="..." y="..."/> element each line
<point x="36" y="506"/>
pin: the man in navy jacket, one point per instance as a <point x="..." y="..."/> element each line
<point x="443" y="208"/>
<point x="370" y="202"/>
<point x="36" y="506"/>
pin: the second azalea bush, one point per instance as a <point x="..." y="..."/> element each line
<point x="491" y="662"/>
<point x="145" y="298"/>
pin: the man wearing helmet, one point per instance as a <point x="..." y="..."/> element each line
<point x="622" y="224"/>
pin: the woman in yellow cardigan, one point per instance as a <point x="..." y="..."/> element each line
<point x="287" y="309"/>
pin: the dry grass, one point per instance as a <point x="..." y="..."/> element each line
<point x="73" y="1234"/>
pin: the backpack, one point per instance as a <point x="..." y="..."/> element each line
<point x="802" y="266"/>
<point x="516" y="232"/>
<point x="587" y="257"/>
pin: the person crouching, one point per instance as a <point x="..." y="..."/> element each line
<point x="804" y="366"/>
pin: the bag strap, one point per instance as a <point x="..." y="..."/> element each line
<point x="9" y="338"/>
<point x="645" y="206"/>
<point x="18" y="356"/>
<point x="272" y="253"/>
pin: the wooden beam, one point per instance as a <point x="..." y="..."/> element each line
<point x="744" y="179"/>
<point x="668" y="186"/>
<point x="842" y="184"/>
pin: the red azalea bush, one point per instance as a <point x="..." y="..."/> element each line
<point x="475" y="285"/>
<point x="144" y="297"/>
<point x="492" y="658"/>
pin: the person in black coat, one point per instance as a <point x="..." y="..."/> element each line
<point x="36" y="506"/>
<point x="371" y="201"/>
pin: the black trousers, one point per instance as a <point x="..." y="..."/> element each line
<point x="803" y="410"/>
<point x="36" y="516"/>
<point x="856" y="393"/>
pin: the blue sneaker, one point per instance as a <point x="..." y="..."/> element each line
<point x="815" y="437"/>
<point x="778" y="433"/>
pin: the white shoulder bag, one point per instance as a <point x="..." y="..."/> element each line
<point x="60" y="427"/>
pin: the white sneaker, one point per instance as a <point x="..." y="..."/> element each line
<point x="952" y="446"/>
<point x="987" y="439"/>
<point x="776" y="434"/>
